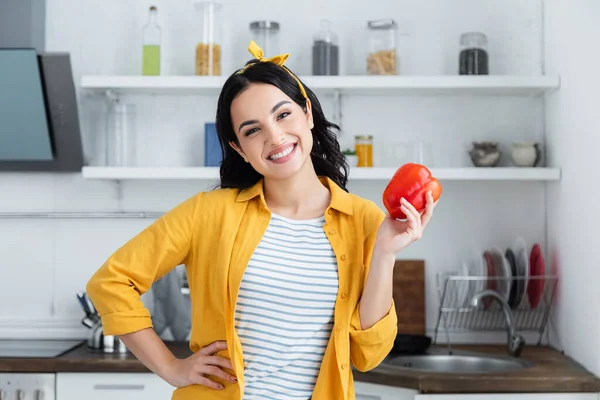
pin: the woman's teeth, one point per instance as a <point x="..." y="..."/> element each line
<point x="282" y="154"/>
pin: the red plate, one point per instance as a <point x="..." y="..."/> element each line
<point x="491" y="273"/>
<point x="537" y="267"/>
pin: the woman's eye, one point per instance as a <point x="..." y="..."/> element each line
<point x="283" y="115"/>
<point x="250" y="131"/>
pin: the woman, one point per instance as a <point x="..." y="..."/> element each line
<point x="290" y="275"/>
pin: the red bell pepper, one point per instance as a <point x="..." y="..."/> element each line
<point x="411" y="181"/>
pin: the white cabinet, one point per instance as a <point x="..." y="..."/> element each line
<point x="112" y="386"/>
<point x="371" y="391"/>
<point x="515" y="396"/>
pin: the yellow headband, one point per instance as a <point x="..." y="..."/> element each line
<point x="280" y="59"/>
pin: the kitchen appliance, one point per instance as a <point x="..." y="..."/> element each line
<point x="27" y="386"/>
<point x="47" y="95"/>
<point x="98" y="342"/>
<point x="36" y="348"/>
<point x="31" y="386"/>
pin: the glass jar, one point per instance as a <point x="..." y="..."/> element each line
<point x="364" y="150"/>
<point x="325" y="51"/>
<point x="382" y="43"/>
<point x="121" y="135"/>
<point x="208" y="49"/>
<point x="473" y="58"/>
<point x="266" y="36"/>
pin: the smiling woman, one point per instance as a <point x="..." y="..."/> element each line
<point x="290" y="275"/>
<point x="271" y="125"/>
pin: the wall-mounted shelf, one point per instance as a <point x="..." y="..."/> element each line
<point x="212" y="173"/>
<point x="490" y="85"/>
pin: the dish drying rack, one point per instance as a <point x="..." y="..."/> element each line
<point x="457" y="314"/>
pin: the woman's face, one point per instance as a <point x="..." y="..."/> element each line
<point x="274" y="133"/>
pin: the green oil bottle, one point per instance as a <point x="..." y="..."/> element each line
<point x="151" y="44"/>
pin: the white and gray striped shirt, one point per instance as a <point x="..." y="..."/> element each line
<point x="284" y="313"/>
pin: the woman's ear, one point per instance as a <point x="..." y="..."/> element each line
<point x="240" y="152"/>
<point x="309" y="114"/>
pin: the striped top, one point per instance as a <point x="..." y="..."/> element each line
<point x="284" y="311"/>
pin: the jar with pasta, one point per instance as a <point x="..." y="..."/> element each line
<point x="208" y="48"/>
<point x="381" y="51"/>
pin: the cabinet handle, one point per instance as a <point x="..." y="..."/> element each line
<point x="118" y="387"/>
<point x="367" y="397"/>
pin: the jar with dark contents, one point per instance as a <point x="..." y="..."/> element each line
<point x="473" y="59"/>
<point x="325" y="51"/>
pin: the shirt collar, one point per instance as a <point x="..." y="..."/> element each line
<point x="340" y="199"/>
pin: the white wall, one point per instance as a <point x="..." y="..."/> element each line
<point x="47" y="261"/>
<point x="573" y="215"/>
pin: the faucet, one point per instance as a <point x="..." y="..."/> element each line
<point x="515" y="342"/>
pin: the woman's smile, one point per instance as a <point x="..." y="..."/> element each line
<point x="283" y="153"/>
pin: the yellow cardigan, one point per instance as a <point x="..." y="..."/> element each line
<point x="214" y="234"/>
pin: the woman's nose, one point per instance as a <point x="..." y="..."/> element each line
<point x="275" y="134"/>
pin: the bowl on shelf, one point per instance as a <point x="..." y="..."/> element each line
<point x="485" y="154"/>
<point x="525" y="154"/>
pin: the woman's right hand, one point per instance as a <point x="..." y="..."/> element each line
<point x="197" y="368"/>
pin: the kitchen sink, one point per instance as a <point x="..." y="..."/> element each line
<point x="456" y="363"/>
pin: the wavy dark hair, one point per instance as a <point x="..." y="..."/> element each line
<point x="326" y="155"/>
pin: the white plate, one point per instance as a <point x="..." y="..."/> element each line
<point x="503" y="270"/>
<point x="477" y="268"/>
<point x="522" y="258"/>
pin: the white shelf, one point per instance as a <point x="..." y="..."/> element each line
<point x="356" y="174"/>
<point x="490" y="85"/>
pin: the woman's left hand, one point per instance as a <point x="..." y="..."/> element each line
<point x="393" y="235"/>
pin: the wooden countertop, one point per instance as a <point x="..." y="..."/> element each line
<point x="552" y="371"/>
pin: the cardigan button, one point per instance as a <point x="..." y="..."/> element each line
<point x="344" y="366"/>
<point x="344" y="296"/>
<point x="330" y="211"/>
<point x="332" y="231"/>
<point x="343" y="257"/>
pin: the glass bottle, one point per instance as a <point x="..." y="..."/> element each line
<point x="266" y="36"/>
<point x="208" y="49"/>
<point x="151" y="44"/>
<point x="473" y="58"/>
<point x="325" y="51"/>
<point x="382" y="39"/>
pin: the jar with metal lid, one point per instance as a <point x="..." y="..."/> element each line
<point x="364" y="150"/>
<point x="473" y="58"/>
<point x="325" y="51"/>
<point x="382" y="43"/>
<point x="266" y="35"/>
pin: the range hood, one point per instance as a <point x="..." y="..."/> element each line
<point x="39" y="121"/>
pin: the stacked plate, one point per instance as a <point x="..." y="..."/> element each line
<point x="513" y="267"/>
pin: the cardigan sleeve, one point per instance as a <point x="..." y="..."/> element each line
<point x="369" y="347"/>
<point x="116" y="287"/>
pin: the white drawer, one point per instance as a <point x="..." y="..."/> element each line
<point x="111" y="386"/>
